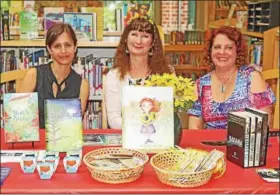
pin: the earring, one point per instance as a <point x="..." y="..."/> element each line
<point x="126" y="50"/>
<point x="150" y="52"/>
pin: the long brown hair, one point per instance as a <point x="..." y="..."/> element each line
<point x="156" y="62"/>
<point x="234" y="35"/>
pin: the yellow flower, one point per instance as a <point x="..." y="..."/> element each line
<point x="183" y="88"/>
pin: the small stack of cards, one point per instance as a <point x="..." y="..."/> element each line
<point x="5" y="171"/>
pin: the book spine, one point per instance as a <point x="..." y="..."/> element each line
<point x="264" y="141"/>
<point x="258" y="141"/>
<point x="252" y="141"/>
<point x="246" y="142"/>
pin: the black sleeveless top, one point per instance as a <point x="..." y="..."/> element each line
<point x="45" y="79"/>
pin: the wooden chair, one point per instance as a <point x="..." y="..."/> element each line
<point x="14" y="75"/>
<point x="103" y="105"/>
<point x="273" y="75"/>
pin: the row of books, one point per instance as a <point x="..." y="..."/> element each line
<point x="255" y="49"/>
<point x="63" y="121"/>
<point x="228" y="3"/>
<point x="192" y="37"/>
<point x="84" y="24"/>
<point x="247" y="137"/>
<point x="93" y="116"/>
<point x="179" y="58"/>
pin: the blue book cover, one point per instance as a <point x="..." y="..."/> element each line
<point x="82" y="23"/>
<point x="63" y="123"/>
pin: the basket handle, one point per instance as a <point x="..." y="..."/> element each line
<point x="220" y="168"/>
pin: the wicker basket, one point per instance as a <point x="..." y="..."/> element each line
<point x="164" y="163"/>
<point x="123" y="175"/>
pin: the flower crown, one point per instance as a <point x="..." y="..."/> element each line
<point x="142" y="17"/>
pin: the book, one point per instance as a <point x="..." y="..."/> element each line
<point x="238" y="138"/>
<point x="99" y="12"/>
<point x="28" y="25"/>
<point x="5" y="171"/>
<point x="52" y="15"/>
<point x="21" y="118"/>
<point x="147" y="114"/>
<point x="5" y="25"/>
<point x="247" y="126"/>
<point x="83" y="24"/>
<point x="264" y="133"/>
<point x="63" y="123"/>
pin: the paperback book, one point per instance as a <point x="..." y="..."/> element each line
<point x="63" y="123"/>
<point x="21" y="119"/>
<point x="148" y="115"/>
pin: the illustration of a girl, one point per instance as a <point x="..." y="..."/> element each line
<point x="149" y="107"/>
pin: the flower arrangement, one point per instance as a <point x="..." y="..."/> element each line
<point x="183" y="88"/>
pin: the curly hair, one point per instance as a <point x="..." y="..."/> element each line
<point x="155" y="103"/>
<point x="234" y="35"/>
<point x="156" y="62"/>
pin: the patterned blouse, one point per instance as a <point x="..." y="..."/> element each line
<point x="140" y="81"/>
<point x="214" y="114"/>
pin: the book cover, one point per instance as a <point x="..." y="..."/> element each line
<point x="21" y="119"/>
<point x="99" y="11"/>
<point x="28" y="24"/>
<point x="238" y="138"/>
<point x="63" y="123"/>
<point x="52" y="15"/>
<point x="82" y="23"/>
<point x="148" y="115"/>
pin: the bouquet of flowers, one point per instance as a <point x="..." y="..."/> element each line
<point x="183" y="88"/>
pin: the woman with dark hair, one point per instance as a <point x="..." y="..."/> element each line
<point x="57" y="79"/>
<point x="138" y="55"/>
<point x="232" y="85"/>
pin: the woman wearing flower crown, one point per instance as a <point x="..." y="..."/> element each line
<point x="231" y="85"/>
<point x="138" y="55"/>
<point x="149" y="107"/>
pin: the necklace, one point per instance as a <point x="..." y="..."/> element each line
<point x="223" y="87"/>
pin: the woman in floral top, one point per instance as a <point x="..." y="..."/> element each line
<point x="231" y="85"/>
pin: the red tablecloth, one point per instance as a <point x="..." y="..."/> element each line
<point x="235" y="179"/>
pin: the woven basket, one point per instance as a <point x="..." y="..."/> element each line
<point x="164" y="163"/>
<point x="114" y="176"/>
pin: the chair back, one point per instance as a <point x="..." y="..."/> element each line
<point x="14" y="75"/>
<point x="272" y="77"/>
<point x="103" y="104"/>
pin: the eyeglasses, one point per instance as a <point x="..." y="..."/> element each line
<point x="67" y="47"/>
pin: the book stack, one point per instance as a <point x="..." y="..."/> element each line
<point x="247" y="137"/>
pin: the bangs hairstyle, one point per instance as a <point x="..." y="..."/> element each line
<point x="234" y="35"/>
<point x="142" y="25"/>
<point x="156" y="62"/>
<point x="56" y="30"/>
